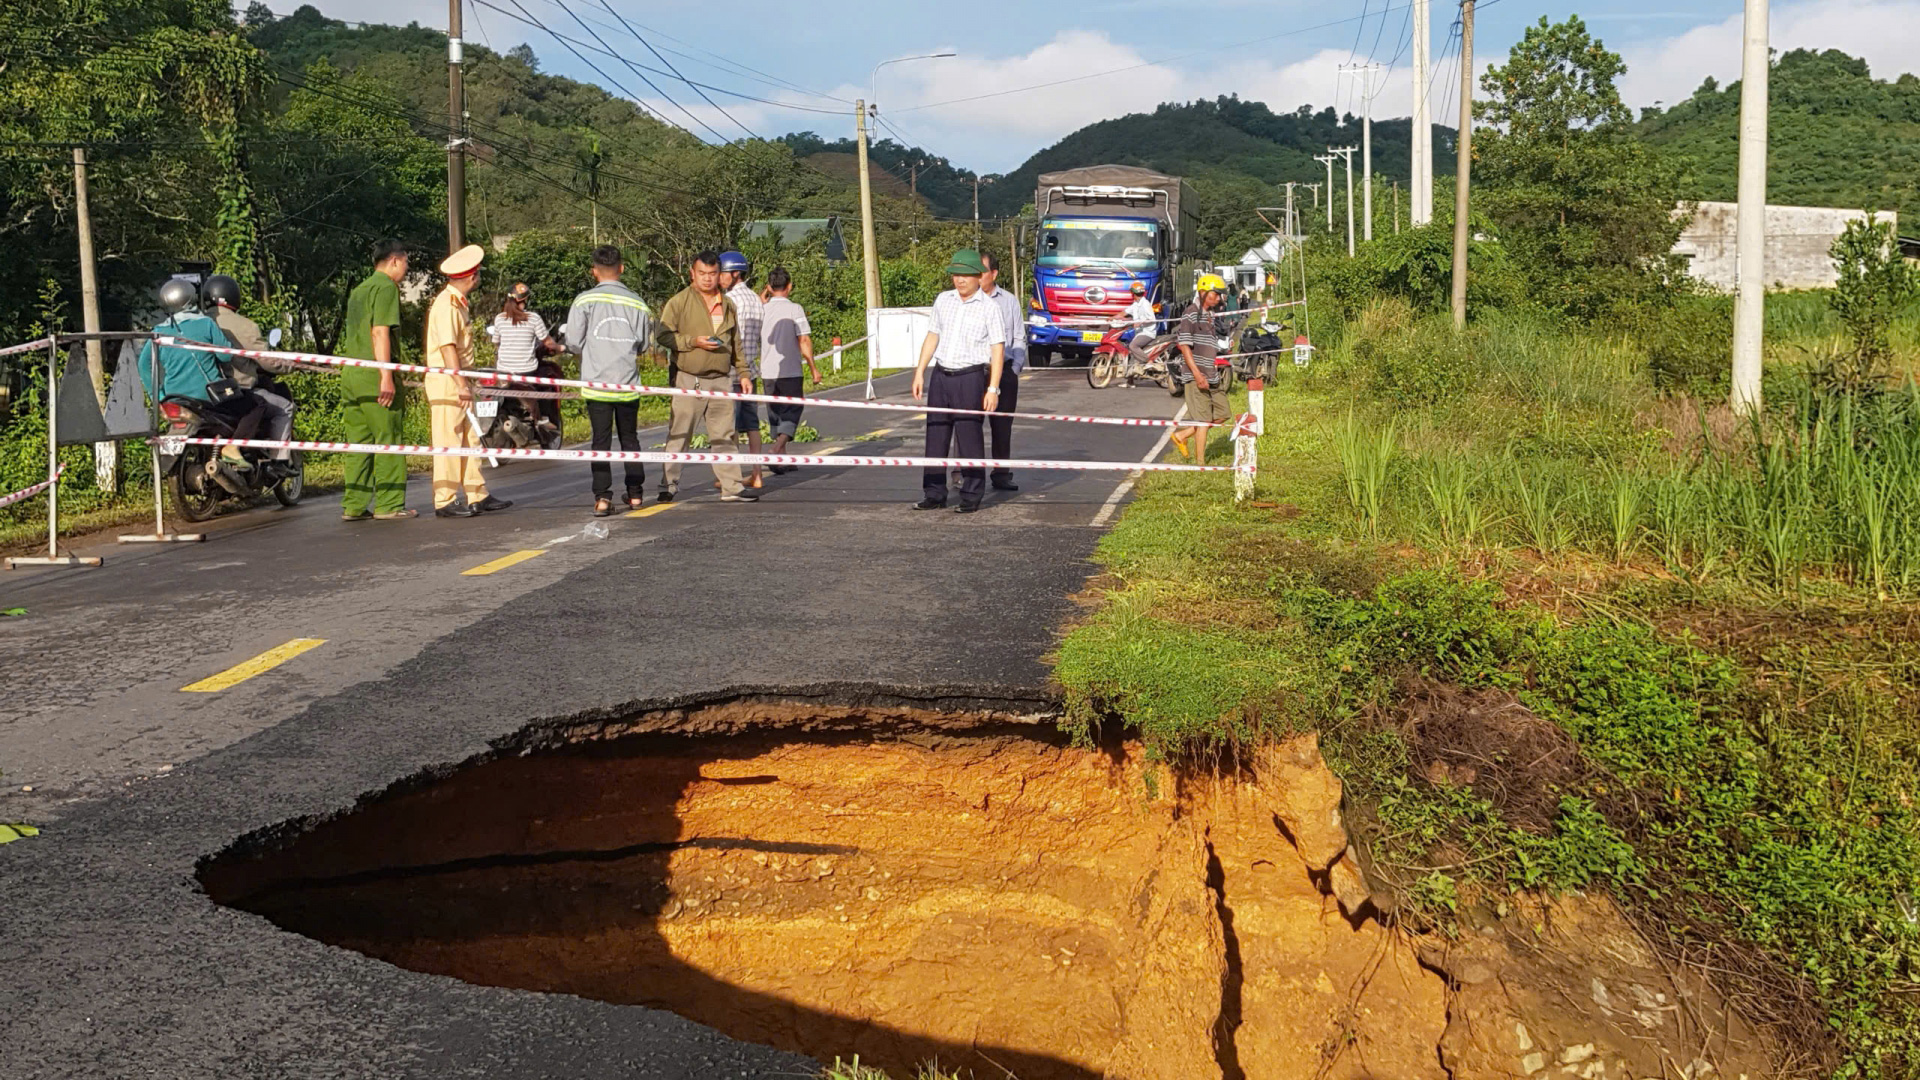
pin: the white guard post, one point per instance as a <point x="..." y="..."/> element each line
<point x="1246" y="439"/>
<point x="894" y="337"/>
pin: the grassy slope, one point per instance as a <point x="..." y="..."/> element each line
<point x="1728" y="752"/>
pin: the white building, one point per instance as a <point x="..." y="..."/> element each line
<point x="1799" y="241"/>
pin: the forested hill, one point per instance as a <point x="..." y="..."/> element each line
<point x="1836" y="135"/>
<point x="1226" y="137"/>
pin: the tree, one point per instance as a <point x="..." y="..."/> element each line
<point x="1584" y="209"/>
<point x="1874" y="284"/>
<point x="341" y="171"/>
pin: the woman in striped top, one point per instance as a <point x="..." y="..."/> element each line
<point x="518" y="333"/>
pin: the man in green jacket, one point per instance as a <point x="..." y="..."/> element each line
<point x="701" y="329"/>
<point x="376" y="483"/>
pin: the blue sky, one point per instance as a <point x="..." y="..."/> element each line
<point x="1128" y="58"/>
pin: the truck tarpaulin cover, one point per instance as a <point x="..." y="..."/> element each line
<point x="1179" y="209"/>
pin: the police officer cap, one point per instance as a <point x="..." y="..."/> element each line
<point x="463" y="262"/>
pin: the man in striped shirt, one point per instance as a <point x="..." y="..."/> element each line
<point x="966" y="349"/>
<point x="1197" y="338"/>
<point x="736" y="277"/>
<point x="607" y="326"/>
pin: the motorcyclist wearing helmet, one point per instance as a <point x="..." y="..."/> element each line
<point x="220" y="298"/>
<point x="1197" y="336"/>
<point x="188" y="373"/>
<point x="1141" y="316"/>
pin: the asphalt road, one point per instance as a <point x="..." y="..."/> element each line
<point x="113" y="963"/>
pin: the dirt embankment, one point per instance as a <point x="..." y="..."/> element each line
<point x="910" y="887"/>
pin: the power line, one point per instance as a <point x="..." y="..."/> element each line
<point x="602" y="72"/>
<point x="675" y="70"/>
<point x="1214" y="51"/>
<point x="566" y="40"/>
<point x="748" y="72"/>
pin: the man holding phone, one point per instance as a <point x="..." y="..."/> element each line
<point x="701" y="329"/>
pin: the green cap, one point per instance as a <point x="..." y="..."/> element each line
<point x="966" y="261"/>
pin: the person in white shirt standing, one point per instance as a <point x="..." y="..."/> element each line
<point x="967" y="349"/>
<point x="736" y="278"/>
<point x="1002" y="425"/>
<point x="518" y="334"/>
<point x="786" y="340"/>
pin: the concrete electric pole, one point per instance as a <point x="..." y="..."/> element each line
<point x="1422" y="181"/>
<point x="1463" y="167"/>
<point x="1347" y="153"/>
<point x="456" y="132"/>
<point x="1750" y="240"/>
<point x="106" y="455"/>
<point x="1328" y="161"/>
<point x="869" y="248"/>
<point x="1365" y="73"/>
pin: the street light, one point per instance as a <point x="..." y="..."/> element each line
<point x="869" y="248"/>
<point x="873" y="84"/>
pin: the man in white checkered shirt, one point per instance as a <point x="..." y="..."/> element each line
<point x="967" y="349"/>
<point x="736" y="277"/>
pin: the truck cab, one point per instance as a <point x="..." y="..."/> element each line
<point x="1084" y="270"/>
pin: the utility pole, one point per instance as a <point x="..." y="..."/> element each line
<point x="1316" y="196"/>
<point x="456" y="136"/>
<point x="1347" y="153"/>
<point x="1291" y="184"/>
<point x="89" y="288"/>
<point x="1365" y="73"/>
<point x="1396" y="208"/>
<point x="1750" y="240"/>
<point x="1463" y="167"/>
<point x="869" y="248"/>
<point x="106" y="454"/>
<point x="1328" y="160"/>
<point x="1422" y="118"/>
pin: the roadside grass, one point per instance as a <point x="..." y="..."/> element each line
<point x="1557" y="631"/>
<point x="853" y="1070"/>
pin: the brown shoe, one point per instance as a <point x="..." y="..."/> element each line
<point x="398" y="515"/>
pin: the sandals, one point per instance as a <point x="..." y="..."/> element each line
<point x="635" y="501"/>
<point x="603" y="506"/>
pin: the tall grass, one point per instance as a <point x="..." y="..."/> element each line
<point x="1366" y="456"/>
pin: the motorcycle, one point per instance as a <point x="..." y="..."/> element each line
<point x="502" y="417"/>
<point x="1113" y="359"/>
<point x="200" y="479"/>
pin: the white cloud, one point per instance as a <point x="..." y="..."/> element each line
<point x="1886" y="33"/>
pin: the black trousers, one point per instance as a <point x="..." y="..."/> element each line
<point x="964" y="436"/>
<point x="785" y="419"/>
<point x="1002" y="426"/>
<point x="607" y="417"/>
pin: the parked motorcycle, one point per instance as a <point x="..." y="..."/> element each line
<point x="502" y="418"/>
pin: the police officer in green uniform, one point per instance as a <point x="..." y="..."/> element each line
<point x="376" y="483"/>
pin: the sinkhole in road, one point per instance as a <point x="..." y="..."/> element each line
<point x="901" y="883"/>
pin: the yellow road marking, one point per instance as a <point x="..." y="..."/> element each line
<point x="877" y="434"/>
<point x="825" y="450"/>
<point x="503" y="562"/>
<point x="266" y="661"/>
<point x="648" y="511"/>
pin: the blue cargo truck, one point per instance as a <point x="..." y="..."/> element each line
<point x="1101" y="229"/>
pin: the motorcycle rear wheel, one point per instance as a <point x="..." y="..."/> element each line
<point x="1100" y="370"/>
<point x="195" y="495"/>
<point x="289" y="490"/>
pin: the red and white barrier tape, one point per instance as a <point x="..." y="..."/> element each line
<point x="173" y="444"/>
<point x="30" y="492"/>
<point x="638" y="388"/>
<point x="26" y="346"/>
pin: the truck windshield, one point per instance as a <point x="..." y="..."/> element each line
<point x="1131" y="244"/>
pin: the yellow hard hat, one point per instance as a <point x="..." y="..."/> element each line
<point x="1210" y="283"/>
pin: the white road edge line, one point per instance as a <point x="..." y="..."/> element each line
<point x="1120" y="492"/>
